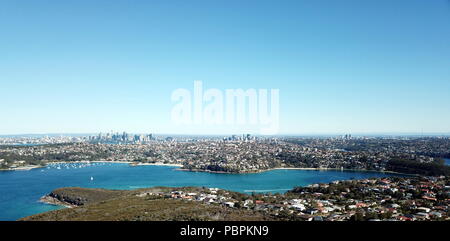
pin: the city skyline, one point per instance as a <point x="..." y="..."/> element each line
<point x="156" y="134"/>
<point x="360" y="67"/>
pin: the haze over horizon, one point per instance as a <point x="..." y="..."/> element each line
<point x="398" y="134"/>
<point x="344" y="67"/>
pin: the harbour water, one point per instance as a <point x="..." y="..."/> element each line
<point x="20" y="190"/>
<point x="447" y="161"/>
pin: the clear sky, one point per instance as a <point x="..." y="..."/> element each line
<point x="82" y="66"/>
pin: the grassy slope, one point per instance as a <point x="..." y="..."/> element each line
<point x="109" y="205"/>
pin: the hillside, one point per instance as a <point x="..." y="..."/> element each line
<point x="137" y="205"/>
<point x="391" y="198"/>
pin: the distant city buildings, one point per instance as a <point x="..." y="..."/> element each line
<point x="121" y="138"/>
<point x="244" y="137"/>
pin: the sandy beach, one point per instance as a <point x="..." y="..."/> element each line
<point x="156" y="164"/>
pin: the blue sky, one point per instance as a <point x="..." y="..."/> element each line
<point x="341" y="66"/>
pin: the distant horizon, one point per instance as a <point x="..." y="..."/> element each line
<point x="372" y="134"/>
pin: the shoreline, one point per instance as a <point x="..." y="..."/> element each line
<point x="23" y="168"/>
<point x="53" y="201"/>
<point x="29" y="167"/>
<point x="156" y="164"/>
<point x="339" y="169"/>
<point x="298" y="168"/>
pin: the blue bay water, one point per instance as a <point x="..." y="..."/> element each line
<point x="21" y="190"/>
<point x="447" y="161"/>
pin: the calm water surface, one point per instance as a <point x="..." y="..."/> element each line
<point x="447" y="161"/>
<point x="21" y="190"/>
